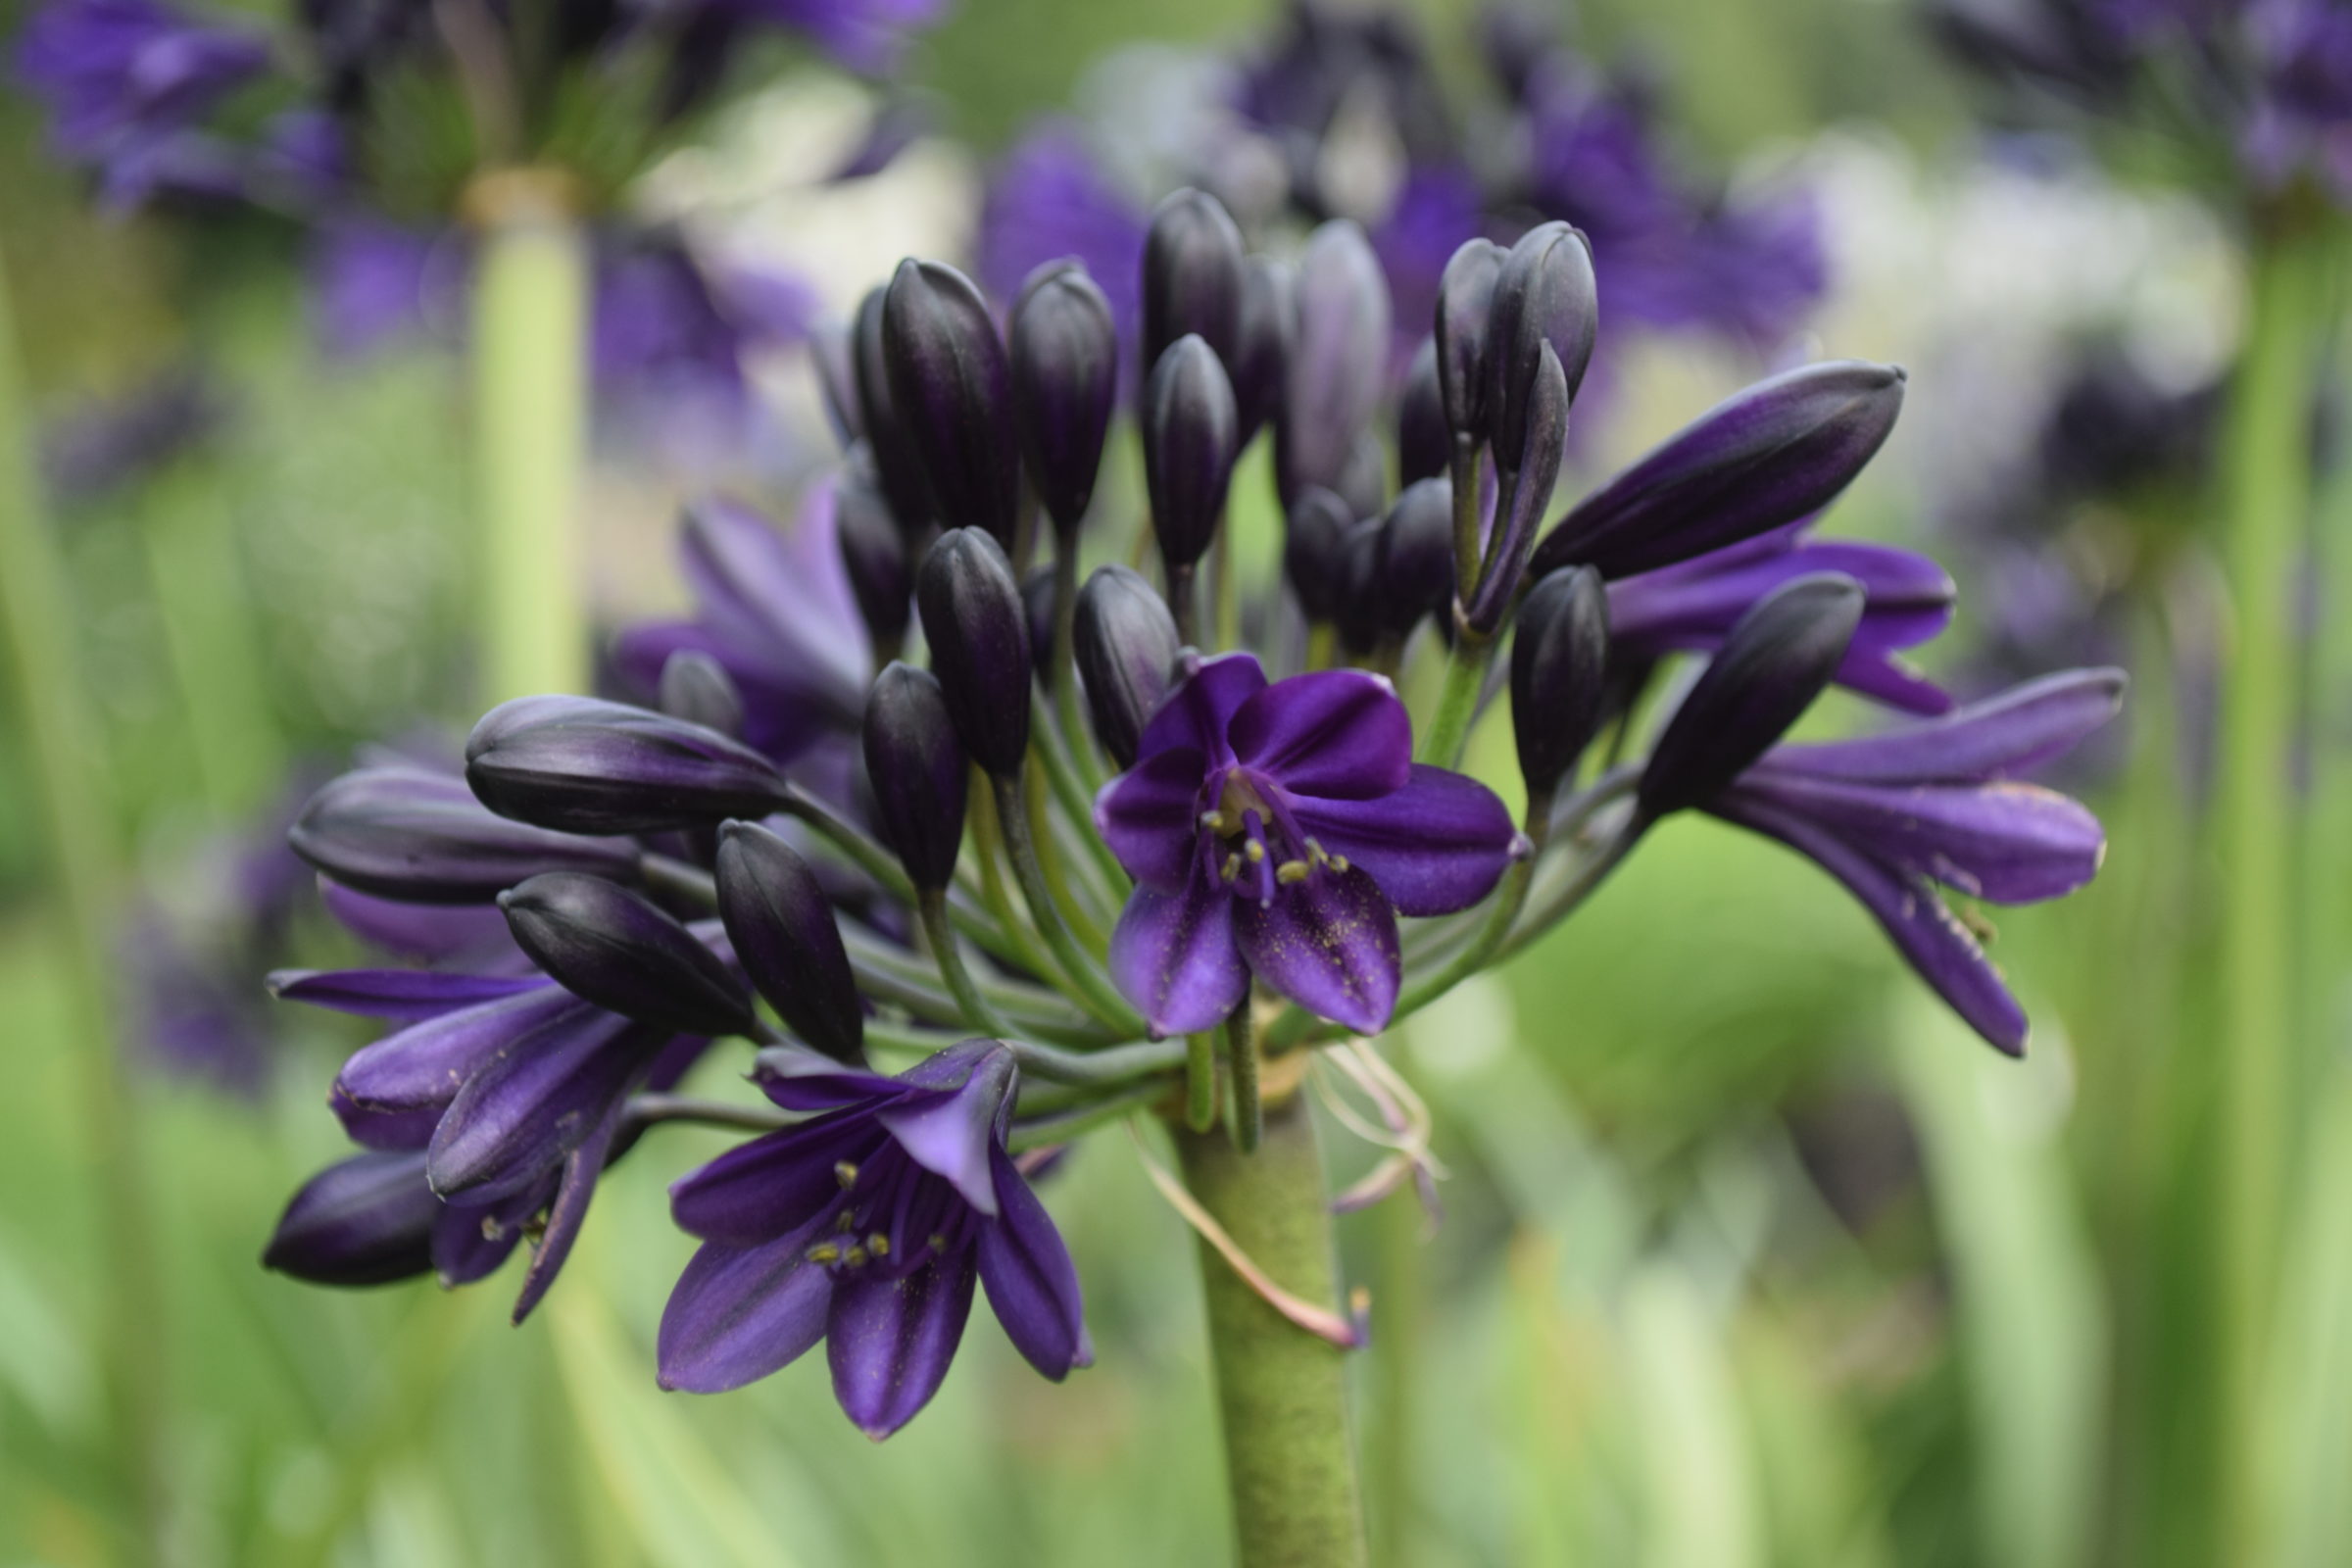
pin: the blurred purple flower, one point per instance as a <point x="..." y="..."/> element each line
<point x="107" y="446"/>
<point x="1049" y="199"/>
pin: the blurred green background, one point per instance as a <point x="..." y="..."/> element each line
<point x="1752" y="1256"/>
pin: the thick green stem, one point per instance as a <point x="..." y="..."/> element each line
<point x="1281" y="1391"/>
<point x="1469" y="550"/>
<point x="42" y="634"/>
<point x="530" y="389"/>
<point x="2266" y="495"/>
<point x="1448" y="730"/>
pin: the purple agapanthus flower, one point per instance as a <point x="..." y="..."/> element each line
<point x="1688" y="607"/>
<point x="1900" y="815"/>
<point x="510" y="1087"/>
<point x="1277" y="831"/>
<point x="866" y="1226"/>
<point x="126" y="83"/>
<point x="776" y="611"/>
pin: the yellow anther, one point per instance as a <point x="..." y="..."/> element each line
<point x="855" y="1256"/>
<point x="878" y="1245"/>
<point x="844" y="1223"/>
<point x="1214" y="822"/>
<point x="1253" y="851"/>
<point x="937" y="1243"/>
<point x="1291" y="871"/>
<point x="844" y="1173"/>
<point x="1314" y="853"/>
<point x="1339" y="862"/>
<point x="1232" y="869"/>
<point x="823" y="1252"/>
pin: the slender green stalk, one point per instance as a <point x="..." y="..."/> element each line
<point x="992" y="930"/>
<point x="1244" y="1105"/>
<point x="2266" y="495"/>
<point x="1096" y="992"/>
<point x="1070" y="792"/>
<point x="931" y="906"/>
<point x="1041" y="1132"/>
<point x="1201" y="1081"/>
<point x="530" y="389"/>
<point x="1281" y="1391"/>
<point x="207" y="615"/>
<point x="646" y="1110"/>
<point x="1448" y="730"/>
<point x="1065" y="878"/>
<point x="1118" y="1064"/>
<point x="1229" y="597"/>
<point x="42" y="633"/>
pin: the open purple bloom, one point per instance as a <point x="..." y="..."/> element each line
<point x="1279" y="830"/>
<point x="1896" y="817"/>
<point x="866" y="1226"/>
<point x="1689" y="607"/>
<point x="777" y="614"/>
<point x="513" y="1089"/>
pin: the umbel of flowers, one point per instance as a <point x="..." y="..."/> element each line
<point x="1090" y="857"/>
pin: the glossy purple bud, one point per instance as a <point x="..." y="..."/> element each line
<point x="1260" y="357"/>
<point x="1313" y="549"/>
<point x="1037" y="607"/>
<point x="897" y="469"/>
<point x="1774" y="661"/>
<point x="1417" y="557"/>
<point x="1543" y="297"/>
<point x="420" y="836"/>
<point x="1065" y="382"/>
<point x="785" y="937"/>
<point x="918" y="771"/>
<point x="1774" y="453"/>
<point x="952" y="390"/>
<point x="366" y="1220"/>
<point x="1526" y="493"/>
<point x="584" y="766"/>
<point x="698" y="689"/>
<point x="1424" y="444"/>
<point x="830" y="347"/>
<point x="978" y="631"/>
<point x="1560" y="675"/>
<point x="1364" y="482"/>
<point x="620" y="949"/>
<point x="1358" y="612"/>
<point x="1192" y="434"/>
<point x="874" y="556"/>
<point x="1339" y="357"/>
<point x="1126" y="646"/>
<point x="1465" y="307"/>
<point x="1194" y="275"/>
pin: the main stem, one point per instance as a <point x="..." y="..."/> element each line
<point x="1281" y="1391"/>
<point x="41" y="635"/>
<point x="530" y="391"/>
<point x="2265" y="479"/>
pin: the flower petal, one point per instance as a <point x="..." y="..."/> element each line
<point x="1150" y="817"/>
<point x="459" y="936"/>
<point x="1032" y="1284"/>
<point x="1199" y="708"/>
<point x="533" y="1104"/>
<point x="1944" y="953"/>
<point x="426" y="1063"/>
<point x="2000" y="737"/>
<point x="1328" y="944"/>
<point x="1173" y="957"/>
<point x="566" y="1212"/>
<point x="1436" y="845"/>
<point x="364" y="1220"/>
<point x="2008" y="843"/>
<point x="1336" y="733"/>
<point x="952" y="1134"/>
<point x="409" y="995"/>
<point x="773" y="1185"/>
<point x="739" y="1313"/>
<point x="889" y="1341"/>
<point x="470" y="1243"/>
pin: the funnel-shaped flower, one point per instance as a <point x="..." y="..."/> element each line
<point x="866" y="1226"/>
<point x="1279" y="830"/>
<point x="1895" y="816"/>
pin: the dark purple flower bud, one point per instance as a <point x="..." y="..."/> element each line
<point x="978" y="631"/>
<point x="1194" y="275"/>
<point x="1360" y="615"/>
<point x="420" y="836"/>
<point x="1259" y="361"/>
<point x="1526" y="493"/>
<point x="698" y="689"/>
<point x="366" y="1220"/>
<point x="1465" y="307"/>
<point x="1424" y="444"/>
<point x="782" y="926"/>
<point x="953" y="391"/>
<point x="1313" y="547"/>
<point x="831" y="346"/>
<point x="1776" y="660"/>
<point x="1126" y="646"/>
<point x="584" y="766"/>
<point x="1339" y="357"/>
<point x="1065" y="381"/>
<point x="1192" y="434"/>
<point x="1037" y="607"/>
<point x="1560" y="675"/>
<point x="897" y="469"/>
<point x="1364" y="483"/>
<point x="1416" y="556"/>
<point x="1543" y="297"/>
<point x="1768" y="456"/>
<point x="918" y="772"/>
<point x="874" y="556"/>
<point x="620" y="949"/>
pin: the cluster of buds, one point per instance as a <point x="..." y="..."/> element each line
<point x="1090" y="857"/>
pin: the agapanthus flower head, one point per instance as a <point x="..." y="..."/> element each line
<point x="1275" y="830"/>
<point x="866" y="1226"/>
